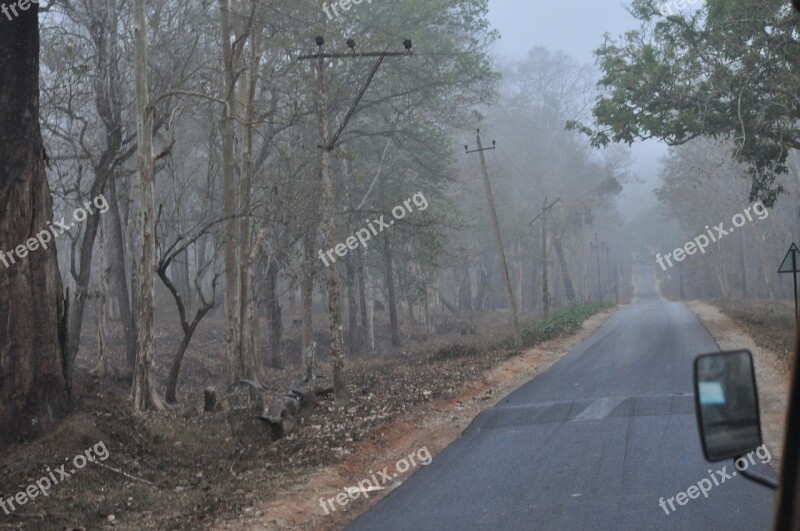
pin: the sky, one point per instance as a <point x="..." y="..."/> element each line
<point x="576" y="27"/>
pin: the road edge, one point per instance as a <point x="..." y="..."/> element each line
<point x="435" y="426"/>
<point x="773" y="386"/>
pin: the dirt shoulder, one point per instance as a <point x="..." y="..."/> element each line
<point x="434" y="425"/>
<point x="772" y="371"/>
<point x="181" y="469"/>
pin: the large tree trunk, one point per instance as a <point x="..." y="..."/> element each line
<point x="143" y="393"/>
<point x="234" y="369"/>
<point x="247" y="353"/>
<point x="34" y="390"/>
<point x="341" y="393"/>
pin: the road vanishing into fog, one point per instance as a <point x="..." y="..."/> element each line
<point x="592" y="443"/>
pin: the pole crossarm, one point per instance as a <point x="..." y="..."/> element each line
<point x="479" y="150"/>
<point x="353" y="55"/>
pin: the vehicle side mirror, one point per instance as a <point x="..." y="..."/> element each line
<point x="726" y="398"/>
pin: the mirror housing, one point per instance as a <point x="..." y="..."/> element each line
<point x="726" y="400"/>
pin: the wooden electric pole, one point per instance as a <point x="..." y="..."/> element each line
<point x="512" y="304"/>
<point x="327" y="144"/>
<point x="545" y="283"/>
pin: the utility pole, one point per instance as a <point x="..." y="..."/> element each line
<point x="545" y="283"/>
<point x="327" y="144"/>
<point x="512" y="304"/>
<point x="544" y="214"/>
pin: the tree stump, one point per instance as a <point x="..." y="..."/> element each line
<point x="210" y="401"/>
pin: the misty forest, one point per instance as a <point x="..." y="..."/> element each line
<point x="263" y="249"/>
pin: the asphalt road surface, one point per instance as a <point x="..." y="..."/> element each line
<point x="592" y="443"/>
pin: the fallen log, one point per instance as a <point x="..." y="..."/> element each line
<point x="281" y="416"/>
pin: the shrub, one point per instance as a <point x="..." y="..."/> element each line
<point x="564" y="321"/>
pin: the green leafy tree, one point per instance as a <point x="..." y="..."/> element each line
<point x="727" y="71"/>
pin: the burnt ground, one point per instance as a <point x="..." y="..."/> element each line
<point x="170" y="470"/>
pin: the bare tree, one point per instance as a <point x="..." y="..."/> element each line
<point x="143" y="392"/>
<point x="176" y="249"/>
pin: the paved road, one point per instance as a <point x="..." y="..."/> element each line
<point x="592" y="443"/>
